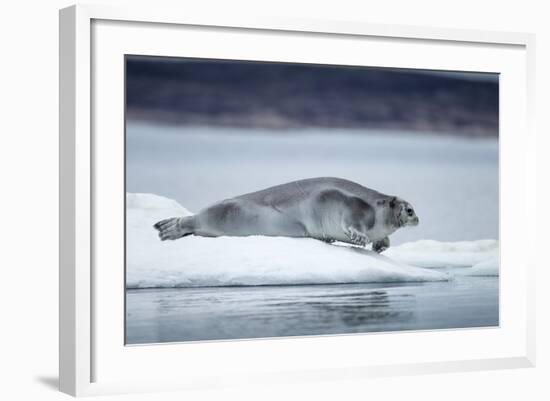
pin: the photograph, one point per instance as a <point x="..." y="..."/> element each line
<point x="268" y="199"/>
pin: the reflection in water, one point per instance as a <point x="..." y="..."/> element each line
<point x="357" y="309"/>
<point x="191" y="314"/>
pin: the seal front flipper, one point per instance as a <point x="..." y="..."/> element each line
<point x="356" y="237"/>
<point x="357" y="220"/>
<point x="381" y="245"/>
<point x="175" y="227"/>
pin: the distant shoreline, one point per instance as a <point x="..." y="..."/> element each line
<point x="173" y="119"/>
<point x="239" y="94"/>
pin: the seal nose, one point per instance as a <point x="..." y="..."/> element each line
<point x="416" y="220"/>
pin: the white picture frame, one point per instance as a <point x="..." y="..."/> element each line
<point x="93" y="358"/>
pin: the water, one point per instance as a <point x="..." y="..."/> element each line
<point x="194" y="314"/>
<point x="448" y="180"/>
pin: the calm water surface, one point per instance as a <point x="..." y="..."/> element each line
<point x="192" y="314"/>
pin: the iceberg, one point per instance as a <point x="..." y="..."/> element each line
<point x="257" y="260"/>
<point x="488" y="267"/>
<point x="436" y="254"/>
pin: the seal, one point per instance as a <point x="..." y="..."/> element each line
<point x="327" y="208"/>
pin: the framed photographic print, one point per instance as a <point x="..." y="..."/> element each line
<point x="275" y="200"/>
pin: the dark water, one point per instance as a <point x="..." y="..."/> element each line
<point x="192" y="314"/>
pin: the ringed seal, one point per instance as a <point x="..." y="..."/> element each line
<point x="328" y="209"/>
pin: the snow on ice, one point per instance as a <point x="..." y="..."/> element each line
<point x="256" y="260"/>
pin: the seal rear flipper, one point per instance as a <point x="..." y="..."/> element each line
<point x="175" y="227"/>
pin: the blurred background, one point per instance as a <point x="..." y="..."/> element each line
<point x="281" y="96"/>
<point x="199" y="131"/>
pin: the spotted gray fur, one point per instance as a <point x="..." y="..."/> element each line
<point x="328" y="209"/>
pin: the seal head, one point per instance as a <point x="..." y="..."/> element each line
<point x="403" y="213"/>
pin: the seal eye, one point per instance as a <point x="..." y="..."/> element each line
<point x="410" y="212"/>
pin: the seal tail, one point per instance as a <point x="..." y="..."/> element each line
<point x="175" y="227"/>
